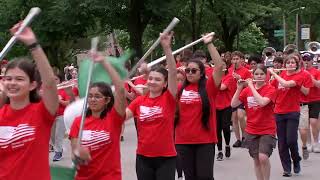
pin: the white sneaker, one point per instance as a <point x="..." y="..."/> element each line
<point x="316" y="148"/>
<point x="181" y="178"/>
<point x="310" y="148"/>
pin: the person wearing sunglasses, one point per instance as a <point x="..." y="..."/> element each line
<point x="195" y="132"/>
<point x="313" y="99"/>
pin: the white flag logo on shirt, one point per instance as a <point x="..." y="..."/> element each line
<point x="95" y="139"/>
<point x="150" y="113"/>
<point x="189" y="96"/>
<point x="15" y="135"/>
<point x="252" y="102"/>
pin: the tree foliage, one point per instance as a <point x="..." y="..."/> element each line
<point x="63" y="24"/>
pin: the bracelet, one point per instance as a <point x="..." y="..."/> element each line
<point x="33" y="46"/>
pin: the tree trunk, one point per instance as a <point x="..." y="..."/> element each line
<point x="193" y="19"/>
<point x="135" y="26"/>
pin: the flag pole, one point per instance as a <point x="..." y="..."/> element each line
<point x="179" y="50"/>
<point x="94" y="44"/>
<point x="172" y="24"/>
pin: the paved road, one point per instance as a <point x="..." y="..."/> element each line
<point x="238" y="167"/>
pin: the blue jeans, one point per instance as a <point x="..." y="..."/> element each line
<point x="287" y="131"/>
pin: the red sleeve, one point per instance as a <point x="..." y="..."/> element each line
<point x="248" y="75"/>
<point x="270" y="93"/>
<point x="317" y="76"/>
<point x="75" y="91"/>
<point x="231" y="83"/>
<point x="116" y="117"/>
<point x="299" y="79"/>
<point x="274" y="83"/>
<point x="41" y="108"/>
<point x="307" y="82"/>
<point x="74" y="130"/>
<point x="243" y="95"/>
<point x="211" y="87"/>
<point x="134" y="105"/>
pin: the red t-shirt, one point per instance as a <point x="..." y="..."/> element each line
<point x="307" y="83"/>
<point x="223" y="99"/>
<point x="288" y="99"/>
<point x="242" y="71"/>
<point x="24" y="139"/>
<point x="209" y="71"/>
<point x="314" y="94"/>
<point x="138" y="81"/>
<point x="155" y="124"/>
<point x="64" y="96"/>
<point x="260" y="120"/>
<point x="190" y="130"/>
<point x="102" y="137"/>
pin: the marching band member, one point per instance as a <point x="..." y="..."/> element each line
<point x="224" y="111"/>
<point x="287" y="112"/>
<point x="238" y="114"/>
<point x="313" y="99"/>
<point x="258" y="98"/>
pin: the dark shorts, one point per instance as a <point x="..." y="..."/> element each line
<point x="241" y="106"/>
<point x="314" y="109"/>
<point x="259" y="144"/>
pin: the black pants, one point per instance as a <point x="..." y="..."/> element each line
<point x="223" y="124"/>
<point x="287" y="131"/>
<point x="179" y="166"/>
<point x="155" y="168"/>
<point x="197" y="160"/>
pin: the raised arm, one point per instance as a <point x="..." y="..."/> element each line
<point x="120" y="93"/>
<point x="172" y="69"/>
<point x="50" y="92"/>
<point x="218" y="64"/>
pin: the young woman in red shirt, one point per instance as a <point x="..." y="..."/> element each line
<point x="100" y="142"/>
<point x="287" y="112"/>
<point x="25" y="118"/>
<point x="224" y="111"/>
<point x="196" y="130"/>
<point x="156" y="154"/>
<point x="258" y="98"/>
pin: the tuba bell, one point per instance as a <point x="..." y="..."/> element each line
<point x="290" y="48"/>
<point x="313" y="47"/>
<point x="268" y="54"/>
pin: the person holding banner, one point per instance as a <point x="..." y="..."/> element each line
<point x="156" y="154"/>
<point x="196" y="130"/>
<point x="26" y="119"/>
<point x="98" y="156"/>
<point x="260" y="132"/>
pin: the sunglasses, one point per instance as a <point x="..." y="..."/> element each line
<point x="192" y="70"/>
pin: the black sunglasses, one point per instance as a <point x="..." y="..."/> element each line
<point x="193" y="70"/>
